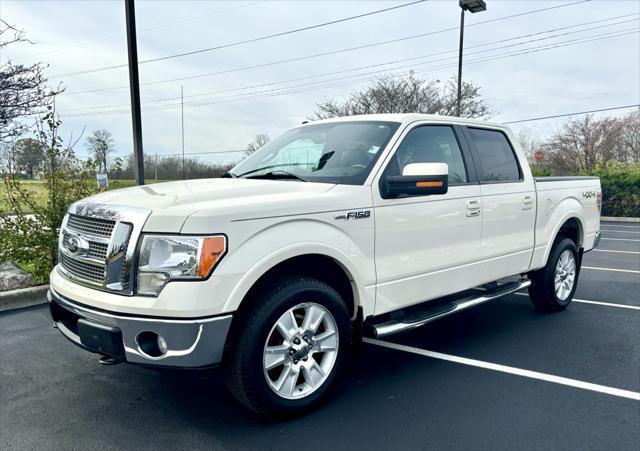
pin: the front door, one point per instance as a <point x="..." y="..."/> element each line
<point x="427" y="246"/>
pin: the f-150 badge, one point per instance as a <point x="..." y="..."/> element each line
<point x="362" y="214"/>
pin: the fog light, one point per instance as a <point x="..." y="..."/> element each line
<point x="151" y="344"/>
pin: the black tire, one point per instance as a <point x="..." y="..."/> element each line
<point x="243" y="362"/>
<point x="542" y="290"/>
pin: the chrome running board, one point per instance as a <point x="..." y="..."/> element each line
<point x="432" y="313"/>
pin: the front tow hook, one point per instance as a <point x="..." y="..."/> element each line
<point x="108" y="360"/>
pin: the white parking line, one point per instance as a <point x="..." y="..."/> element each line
<point x="610" y="250"/>
<point x="618" y="239"/>
<point x="606" y="304"/>
<point x="618" y="231"/>
<point x="508" y="369"/>
<point x="633" y="271"/>
<point x="604" y="224"/>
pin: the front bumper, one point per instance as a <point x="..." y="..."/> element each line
<point x="190" y="343"/>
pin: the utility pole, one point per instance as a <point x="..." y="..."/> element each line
<point x="134" y="89"/>
<point x="156" y="167"/>
<point x="459" y="98"/>
<point x="182" y="120"/>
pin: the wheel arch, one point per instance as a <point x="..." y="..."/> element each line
<point x="571" y="226"/>
<point x="323" y="264"/>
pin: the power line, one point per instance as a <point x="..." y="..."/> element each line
<point x="155" y="27"/>
<point x="334" y="52"/>
<point x="246" y="41"/>
<point x="332" y="82"/>
<point x="405" y="59"/>
<point x="573" y="114"/>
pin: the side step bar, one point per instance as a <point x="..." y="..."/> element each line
<point x="420" y="318"/>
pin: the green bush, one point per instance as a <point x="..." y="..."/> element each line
<point x="29" y="232"/>
<point x="620" y="189"/>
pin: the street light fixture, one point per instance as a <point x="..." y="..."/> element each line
<point x="473" y="6"/>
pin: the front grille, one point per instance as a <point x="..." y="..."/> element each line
<point x="97" y="228"/>
<point x="83" y="270"/>
<point x="93" y="226"/>
<point x="96" y="250"/>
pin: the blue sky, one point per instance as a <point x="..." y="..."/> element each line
<point x="224" y="112"/>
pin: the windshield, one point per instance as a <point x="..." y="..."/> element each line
<point x="336" y="152"/>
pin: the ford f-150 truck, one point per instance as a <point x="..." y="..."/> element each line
<point x="338" y="229"/>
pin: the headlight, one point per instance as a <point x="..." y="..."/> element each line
<point x="165" y="258"/>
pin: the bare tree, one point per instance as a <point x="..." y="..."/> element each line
<point x="100" y="144"/>
<point x="257" y="143"/>
<point x="23" y="89"/>
<point x="529" y="143"/>
<point x="408" y="95"/>
<point x="628" y="150"/>
<point x="583" y="143"/>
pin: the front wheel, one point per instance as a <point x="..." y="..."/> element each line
<point x="553" y="286"/>
<point x="285" y="353"/>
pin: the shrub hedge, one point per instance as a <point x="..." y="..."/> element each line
<point x="620" y="187"/>
<point x="620" y="190"/>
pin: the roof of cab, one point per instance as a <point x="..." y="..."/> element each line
<point x="407" y="118"/>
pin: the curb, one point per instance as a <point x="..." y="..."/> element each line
<point x="24" y="297"/>
<point x="613" y="218"/>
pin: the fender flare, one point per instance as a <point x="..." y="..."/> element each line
<point x="296" y="249"/>
<point x="571" y="213"/>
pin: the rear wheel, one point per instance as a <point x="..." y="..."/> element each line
<point x="285" y="353"/>
<point x="553" y="286"/>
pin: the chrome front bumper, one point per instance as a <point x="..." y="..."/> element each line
<point x="191" y="343"/>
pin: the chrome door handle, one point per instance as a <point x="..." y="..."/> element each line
<point x="473" y="208"/>
<point x="527" y="202"/>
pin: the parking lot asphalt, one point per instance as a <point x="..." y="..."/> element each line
<point x="500" y="376"/>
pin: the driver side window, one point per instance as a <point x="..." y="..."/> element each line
<point x="433" y="144"/>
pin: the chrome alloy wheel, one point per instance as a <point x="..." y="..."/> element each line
<point x="565" y="275"/>
<point x="300" y="351"/>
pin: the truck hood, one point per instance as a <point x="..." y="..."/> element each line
<point x="172" y="203"/>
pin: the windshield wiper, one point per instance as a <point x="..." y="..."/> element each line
<point x="269" y="167"/>
<point x="278" y="175"/>
<point x="229" y="175"/>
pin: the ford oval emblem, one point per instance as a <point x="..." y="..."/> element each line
<point x="73" y="244"/>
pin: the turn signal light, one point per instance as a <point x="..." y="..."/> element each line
<point x="213" y="249"/>
<point x="429" y="184"/>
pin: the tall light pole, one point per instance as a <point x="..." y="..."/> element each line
<point x="182" y="126"/>
<point x="134" y="88"/>
<point x="473" y="6"/>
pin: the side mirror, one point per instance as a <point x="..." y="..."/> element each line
<point x="419" y="179"/>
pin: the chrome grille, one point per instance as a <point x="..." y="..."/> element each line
<point x="93" y="226"/>
<point x="96" y="249"/>
<point x="97" y="245"/>
<point x="82" y="270"/>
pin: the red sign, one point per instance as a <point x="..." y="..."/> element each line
<point x="539" y="155"/>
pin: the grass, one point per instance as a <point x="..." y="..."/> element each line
<point x="38" y="190"/>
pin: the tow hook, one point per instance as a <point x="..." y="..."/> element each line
<point x="108" y="360"/>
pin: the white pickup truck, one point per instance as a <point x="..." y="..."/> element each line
<point x="338" y="229"/>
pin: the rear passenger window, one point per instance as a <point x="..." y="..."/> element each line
<point x="433" y="144"/>
<point x="497" y="159"/>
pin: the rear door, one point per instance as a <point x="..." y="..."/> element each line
<point x="427" y="246"/>
<point x="508" y="203"/>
